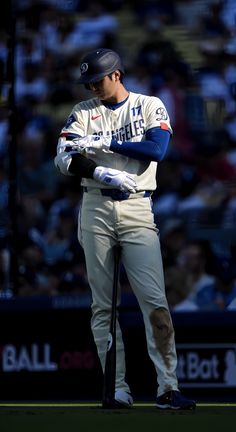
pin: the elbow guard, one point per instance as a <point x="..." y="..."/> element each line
<point x="74" y="163"/>
<point x="62" y="161"/>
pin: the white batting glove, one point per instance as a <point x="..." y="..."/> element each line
<point x="68" y="146"/>
<point x="118" y="179"/>
<point x="100" y="142"/>
<point x="91" y="142"/>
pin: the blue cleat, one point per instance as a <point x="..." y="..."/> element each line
<point x="173" y="399"/>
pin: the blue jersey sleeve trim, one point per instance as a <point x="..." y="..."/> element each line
<point x="153" y="148"/>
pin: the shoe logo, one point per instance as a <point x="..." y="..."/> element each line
<point x="95" y="117"/>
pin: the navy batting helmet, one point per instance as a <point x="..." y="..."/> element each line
<point x="97" y="64"/>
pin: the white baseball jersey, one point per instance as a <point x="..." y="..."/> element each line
<point x="129" y="122"/>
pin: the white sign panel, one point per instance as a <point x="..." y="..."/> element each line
<point x="206" y="365"/>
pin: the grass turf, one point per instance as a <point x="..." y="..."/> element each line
<point x="91" y="417"/>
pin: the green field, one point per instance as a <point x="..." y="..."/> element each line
<point x="68" y="417"/>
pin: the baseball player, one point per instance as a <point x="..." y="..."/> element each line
<point x="114" y="142"/>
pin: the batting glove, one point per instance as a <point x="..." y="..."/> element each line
<point x="118" y="179"/>
<point x="91" y="142"/>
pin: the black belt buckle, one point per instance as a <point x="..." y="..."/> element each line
<point x="115" y="194"/>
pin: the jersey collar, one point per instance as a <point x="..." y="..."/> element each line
<point x="114" y="106"/>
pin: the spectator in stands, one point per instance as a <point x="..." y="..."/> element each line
<point x="57" y="240"/>
<point x="4" y="125"/>
<point x="228" y="15"/>
<point x="37" y="177"/>
<point x="32" y="83"/>
<point x="34" y="276"/>
<point x="138" y="80"/>
<point x="229" y="212"/>
<point x="213" y="165"/>
<point x="230" y="80"/>
<point x="4" y="228"/>
<point x="74" y="281"/>
<point x="4" y="218"/>
<point x="221" y="293"/>
<point x="91" y="30"/>
<point x="154" y="12"/>
<point x="194" y="259"/>
<point x="29" y="51"/>
<point x="159" y="54"/>
<point x="178" y="290"/>
<point x="3" y="53"/>
<point x="62" y="37"/>
<point x="189" y="12"/>
<point x="173" y="237"/>
<point x="232" y="305"/>
<point x="216" y="84"/>
<point x="68" y="200"/>
<point x="211" y="24"/>
<point x="173" y="93"/>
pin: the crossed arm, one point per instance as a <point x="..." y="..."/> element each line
<point x="74" y="163"/>
<point x="153" y="148"/>
<point x="71" y="160"/>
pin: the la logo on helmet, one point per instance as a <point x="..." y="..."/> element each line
<point x="84" y="67"/>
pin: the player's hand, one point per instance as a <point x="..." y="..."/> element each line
<point x="90" y="143"/>
<point x="68" y="146"/>
<point x="118" y="179"/>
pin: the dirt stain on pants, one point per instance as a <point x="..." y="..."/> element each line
<point x="163" y="332"/>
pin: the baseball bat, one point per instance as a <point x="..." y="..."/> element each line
<point x="110" y="362"/>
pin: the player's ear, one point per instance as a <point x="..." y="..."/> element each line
<point x="117" y="75"/>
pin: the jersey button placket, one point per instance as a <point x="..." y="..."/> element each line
<point x="115" y="133"/>
<point x="113" y="121"/>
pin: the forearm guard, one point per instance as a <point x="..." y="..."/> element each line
<point x="82" y="166"/>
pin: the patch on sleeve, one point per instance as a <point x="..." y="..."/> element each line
<point x="164" y="126"/>
<point x="69" y="136"/>
<point x="161" y="114"/>
<point x="71" y="119"/>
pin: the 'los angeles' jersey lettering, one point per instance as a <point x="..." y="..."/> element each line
<point x="127" y="132"/>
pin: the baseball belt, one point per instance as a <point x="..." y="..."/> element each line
<point x="118" y="195"/>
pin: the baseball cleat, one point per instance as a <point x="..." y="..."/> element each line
<point x="174" y="400"/>
<point x="123" y="399"/>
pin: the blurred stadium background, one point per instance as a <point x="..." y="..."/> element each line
<point x="185" y="53"/>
